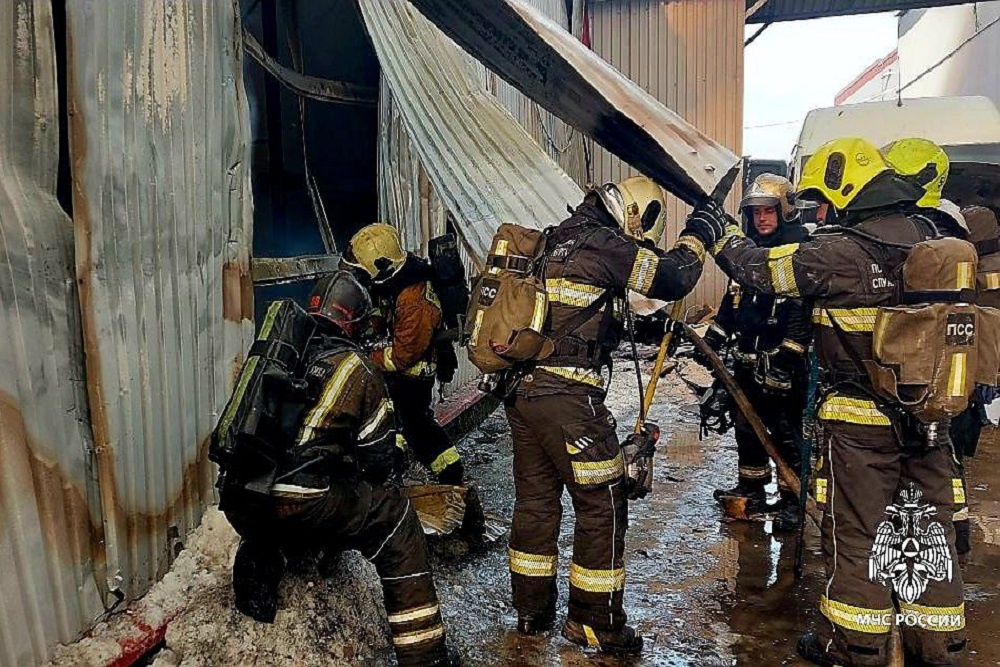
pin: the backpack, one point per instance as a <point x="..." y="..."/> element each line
<point x="931" y="349"/>
<point x="449" y="283"/>
<point x="272" y="394"/>
<point x="509" y="306"/>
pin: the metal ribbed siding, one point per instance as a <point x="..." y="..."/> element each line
<point x="481" y="162"/>
<point x="49" y="518"/>
<point x="162" y="214"/>
<point x="561" y="142"/>
<point x="447" y="145"/>
<point x="689" y="55"/>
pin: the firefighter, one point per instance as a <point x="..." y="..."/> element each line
<point x="876" y="462"/>
<point x="984" y="234"/>
<point x="408" y="319"/>
<point x="927" y="165"/>
<point x="334" y="490"/>
<point x="768" y="337"/>
<point x="564" y="435"/>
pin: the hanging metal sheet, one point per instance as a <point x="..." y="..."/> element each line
<point x="50" y="527"/>
<point x="557" y="71"/>
<point x="162" y="212"/>
<point x="481" y="163"/>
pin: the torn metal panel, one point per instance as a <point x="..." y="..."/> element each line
<point x="162" y="215"/>
<point x="769" y="11"/>
<point x="312" y="87"/>
<point x="557" y="71"/>
<point x="481" y="163"/>
<point x="280" y="270"/>
<point x="50" y="524"/>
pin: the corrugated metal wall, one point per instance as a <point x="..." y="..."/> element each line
<point x="162" y="215"/>
<point x="446" y="145"/>
<point x="689" y="55"/>
<point x="123" y="326"/>
<point x="562" y="143"/>
<point x="50" y="524"/>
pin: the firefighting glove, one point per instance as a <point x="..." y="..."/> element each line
<point x="707" y="222"/>
<point x="716" y="340"/>
<point x="777" y="370"/>
<point x="713" y="405"/>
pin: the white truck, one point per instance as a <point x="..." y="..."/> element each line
<point x="968" y="128"/>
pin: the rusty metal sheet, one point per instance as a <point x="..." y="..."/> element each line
<point x="49" y="516"/>
<point x="159" y="137"/>
<point x="553" y="68"/>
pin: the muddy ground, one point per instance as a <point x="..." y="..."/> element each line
<point x="703" y="592"/>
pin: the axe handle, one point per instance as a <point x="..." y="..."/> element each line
<point x="647" y="400"/>
<point x="787" y="474"/>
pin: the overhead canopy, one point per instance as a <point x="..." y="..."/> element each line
<point x="553" y="68"/>
<point x="771" y="11"/>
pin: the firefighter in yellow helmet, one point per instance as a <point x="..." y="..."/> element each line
<point x="876" y="465"/>
<point x="639" y="194"/>
<point x="408" y="318"/>
<point x="768" y="337"/>
<point x="923" y="162"/>
<point x="563" y="433"/>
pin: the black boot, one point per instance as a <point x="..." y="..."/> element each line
<point x="535" y="624"/>
<point x="742" y="489"/>
<point x="814" y="649"/>
<point x="625" y="641"/>
<point x="257" y="572"/>
<point x="788" y="515"/>
<point x="452" y="474"/>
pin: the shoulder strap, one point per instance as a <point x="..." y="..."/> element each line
<point x="580" y="318"/>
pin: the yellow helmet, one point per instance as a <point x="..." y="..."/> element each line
<point x="922" y="161"/>
<point x="839" y="170"/>
<point x="377" y="250"/>
<point x="638" y="193"/>
<point x="771" y="190"/>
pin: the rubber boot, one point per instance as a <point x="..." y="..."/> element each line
<point x="788" y="515"/>
<point x="535" y="624"/>
<point x="625" y="641"/>
<point x="814" y="649"/>
<point x="257" y="572"/>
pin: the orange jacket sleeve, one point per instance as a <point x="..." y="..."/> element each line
<point x="415" y="320"/>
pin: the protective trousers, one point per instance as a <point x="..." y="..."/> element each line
<point x="411" y="399"/>
<point x="782" y="415"/>
<point x="380" y="523"/>
<point x="568" y="441"/>
<point x="889" y="546"/>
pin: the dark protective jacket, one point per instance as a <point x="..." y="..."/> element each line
<point x="409" y="313"/>
<point x="762" y="322"/>
<point x="588" y="257"/>
<point x="349" y="416"/>
<point x="848" y="273"/>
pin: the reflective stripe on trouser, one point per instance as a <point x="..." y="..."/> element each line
<point x="779" y="416"/>
<point x="864" y="471"/>
<point x="568" y="441"/>
<point x="411" y="399"/>
<point x="399" y="552"/>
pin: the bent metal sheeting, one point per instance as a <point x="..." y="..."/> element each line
<point x="553" y="68"/>
<point x="482" y="163"/>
